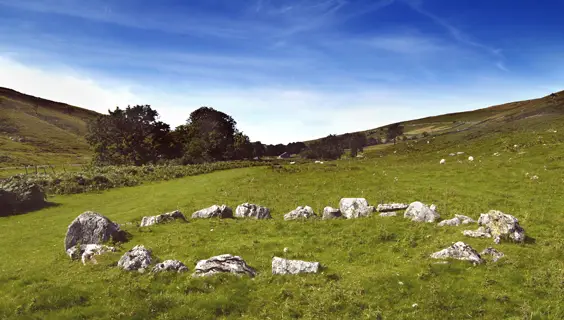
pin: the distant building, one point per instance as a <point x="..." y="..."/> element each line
<point x="285" y="155"/>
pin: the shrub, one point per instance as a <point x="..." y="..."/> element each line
<point x="19" y="194"/>
<point x="103" y="178"/>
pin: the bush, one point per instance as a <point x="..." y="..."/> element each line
<point x="19" y="194"/>
<point x="103" y="178"/>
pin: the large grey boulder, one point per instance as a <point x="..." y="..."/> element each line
<point x="161" y="218"/>
<point x="496" y="255"/>
<point x="300" y="213"/>
<point x="498" y="225"/>
<point x="249" y="210"/>
<point x="170" y="266"/>
<point x="390" y="207"/>
<point x="92" y="228"/>
<point x="225" y="263"/>
<point x="456" y="221"/>
<point x="459" y="251"/>
<point x="87" y="252"/>
<point x="331" y="213"/>
<point x="214" y="211"/>
<point x="284" y="266"/>
<point x="137" y="258"/>
<point x="502" y="226"/>
<point x="420" y="212"/>
<point x="353" y="208"/>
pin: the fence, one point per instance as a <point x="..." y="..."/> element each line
<point x="36" y="169"/>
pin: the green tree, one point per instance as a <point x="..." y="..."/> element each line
<point x="210" y="133"/>
<point x="328" y="148"/>
<point x="394" y="130"/>
<point x="259" y="149"/>
<point x="243" y="148"/>
<point x="130" y="136"/>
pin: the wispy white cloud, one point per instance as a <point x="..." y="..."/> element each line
<point x="406" y="44"/>
<point x="456" y="33"/>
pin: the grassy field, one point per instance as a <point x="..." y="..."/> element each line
<point x="375" y="268"/>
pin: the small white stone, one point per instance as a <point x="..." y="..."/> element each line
<point x="415" y="305"/>
<point x="470" y="158"/>
<point x="286" y="250"/>
<point x="443" y="161"/>
<point x="400" y="283"/>
<point x="211" y="229"/>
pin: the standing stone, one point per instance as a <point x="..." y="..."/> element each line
<point x="284" y="266"/>
<point x="170" y="265"/>
<point x="137" y="258"/>
<point x="419" y="212"/>
<point x="165" y="217"/>
<point x="248" y="210"/>
<point x="215" y="211"/>
<point x="92" y="228"/>
<point x="331" y="213"/>
<point x="353" y="208"/>
<point x="225" y="263"/>
<point x="459" y="251"/>
<point x="390" y="207"/>
<point x="300" y="213"/>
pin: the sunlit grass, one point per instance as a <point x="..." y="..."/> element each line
<point x="374" y="267"/>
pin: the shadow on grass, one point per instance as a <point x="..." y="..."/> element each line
<point x="6" y="212"/>
<point x="530" y="240"/>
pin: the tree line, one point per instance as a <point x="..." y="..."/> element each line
<point x="135" y="136"/>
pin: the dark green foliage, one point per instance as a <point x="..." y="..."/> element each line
<point x="129" y="137"/>
<point x="394" y="130"/>
<point x="328" y="148"/>
<point x="355" y="142"/>
<point x="242" y="147"/>
<point x="258" y="149"/>
<point x="372" y="141"/>
<point x="208" y="135"/>
<point x="108" y="177"/>
<point x="18" y="194"/>
<point x="275" y="150"/>
<point x="295" y="147"/>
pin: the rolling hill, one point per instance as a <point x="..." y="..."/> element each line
<point x="476" y="120"/>
<point x="39" y="131"/>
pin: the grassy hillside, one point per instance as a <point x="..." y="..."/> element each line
<point x="39" y="131"/>
<point x="375" y="268"/>
<point x="544" y="108"/>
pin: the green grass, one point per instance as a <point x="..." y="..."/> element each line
<point x="365" y="259"/>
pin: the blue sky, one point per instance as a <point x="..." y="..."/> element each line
<point x="285" y="70"/>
